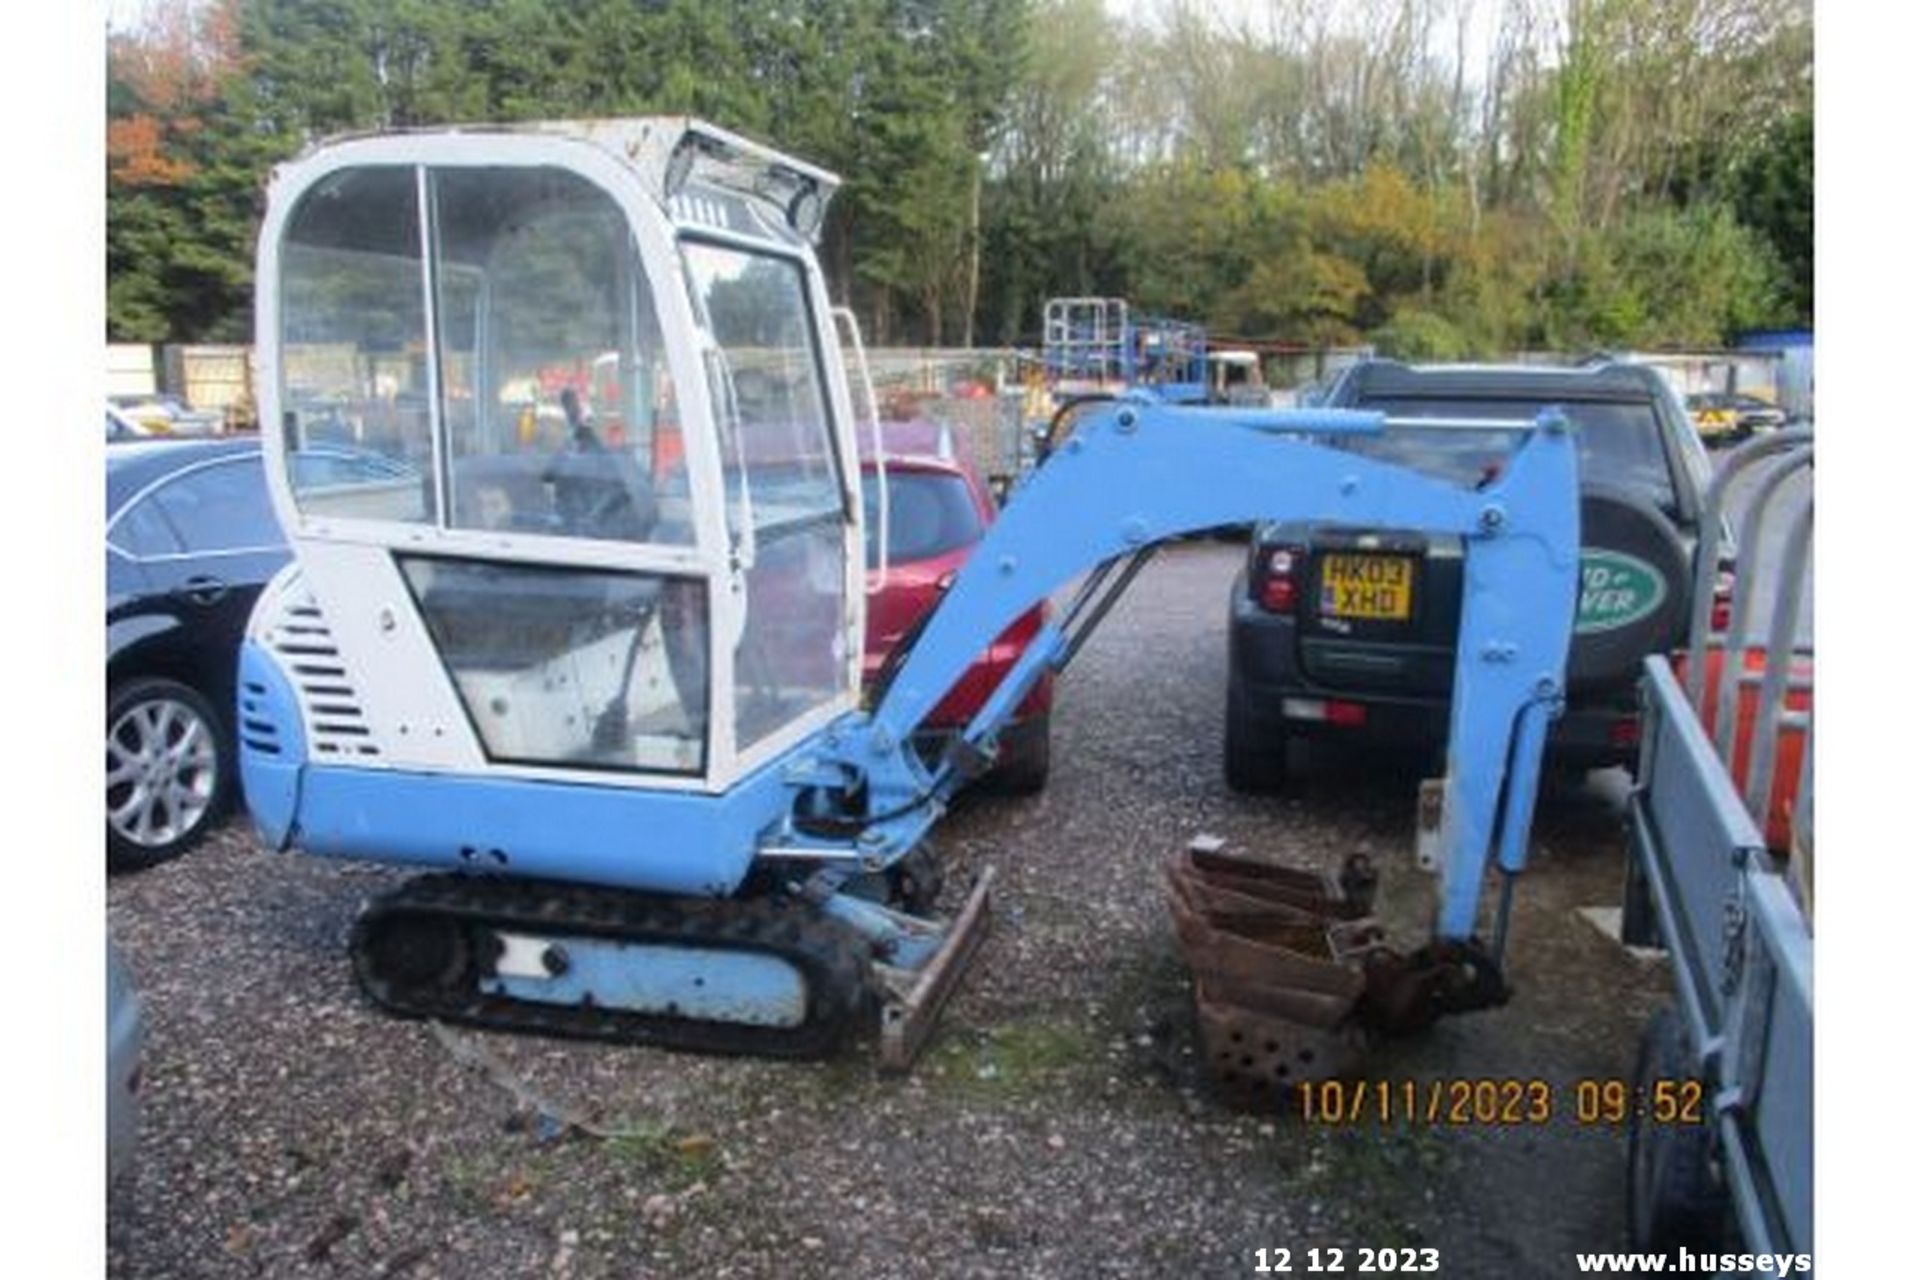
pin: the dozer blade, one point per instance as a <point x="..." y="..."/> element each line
<point x="906" y="1020"/>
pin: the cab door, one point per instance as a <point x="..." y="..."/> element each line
<point x="791" y="513"/>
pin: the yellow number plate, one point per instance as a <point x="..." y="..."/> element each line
<point x="1354" y="586"/>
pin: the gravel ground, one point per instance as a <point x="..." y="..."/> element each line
<point x="1055" y="1126"/>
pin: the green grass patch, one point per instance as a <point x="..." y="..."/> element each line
<point x="676" y="1158"/>
<point x="1378" y="1177"/>
<point x="1010" y="1059"/>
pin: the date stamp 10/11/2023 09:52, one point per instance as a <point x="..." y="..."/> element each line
<point x="1599" y="1103"/>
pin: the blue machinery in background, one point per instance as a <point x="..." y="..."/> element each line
<point x="1092" y="346"/>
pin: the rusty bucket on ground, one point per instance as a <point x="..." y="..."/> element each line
<point x="1280" y="962"/>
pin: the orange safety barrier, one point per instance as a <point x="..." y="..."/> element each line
<point x="1789" y="742"/>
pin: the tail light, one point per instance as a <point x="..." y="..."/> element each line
<point x="1722" y="615"/>
<point x="1350" y="715"/>
<point x="1346" y="715"/>
<point x="1276" y="577"/>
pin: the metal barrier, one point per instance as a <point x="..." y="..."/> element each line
<point x="1750" y="757"/>
<point x="1735" y="918"/>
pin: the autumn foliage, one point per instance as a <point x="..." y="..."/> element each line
<point x="163" y="78"/>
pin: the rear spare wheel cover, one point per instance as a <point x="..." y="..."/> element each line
<point x="1634" y="578"/>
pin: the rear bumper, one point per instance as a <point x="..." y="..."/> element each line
<point x="1279" y="698"/>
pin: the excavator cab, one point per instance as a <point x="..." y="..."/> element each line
<point x="600" y="488"/>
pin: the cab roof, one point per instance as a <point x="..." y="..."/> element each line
<point x="721" y="160"/>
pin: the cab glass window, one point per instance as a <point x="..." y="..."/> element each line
<point x="792" y="655"/>
<point x="353" y="337"/>
<point x="784" y="495"/>
<point x="573" y="668"/>
<point x="559" y="407"/>
<point x="772" y="406"/>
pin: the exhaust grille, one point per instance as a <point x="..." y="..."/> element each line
<point x="335" y="722"/>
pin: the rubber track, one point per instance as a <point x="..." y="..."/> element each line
<point x="830" y="957"/>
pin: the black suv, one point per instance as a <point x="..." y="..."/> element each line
<point x="1348" y="632"/>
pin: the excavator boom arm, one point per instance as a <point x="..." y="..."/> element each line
<point x="1135" y="474"/>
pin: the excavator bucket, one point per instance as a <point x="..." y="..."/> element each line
<point x="1279" y="960"/>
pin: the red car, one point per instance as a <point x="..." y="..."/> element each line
<point x="938" y="508"/>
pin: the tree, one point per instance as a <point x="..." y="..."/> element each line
<point x="1620" y="171"/>
<point x="1773" y="194"/>
<point x="181" y="180"/>
<point x="1050" y="172"/>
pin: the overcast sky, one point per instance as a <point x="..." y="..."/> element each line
<point x="1258" y="16"/>
<point x="122" y="14"/>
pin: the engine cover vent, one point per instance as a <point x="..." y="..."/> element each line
<point x="298" y="632"/>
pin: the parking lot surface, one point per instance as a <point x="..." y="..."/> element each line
<point x="1056" y="1126"/>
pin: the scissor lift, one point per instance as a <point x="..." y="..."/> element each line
<point x="1101" y="347"/>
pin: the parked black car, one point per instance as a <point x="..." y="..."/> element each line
<point x="191" y="539"/>
<point x="1307" y="660"/>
